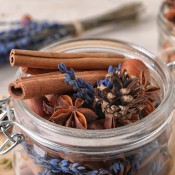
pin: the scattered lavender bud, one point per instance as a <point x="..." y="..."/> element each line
<point x="83" y="89"/>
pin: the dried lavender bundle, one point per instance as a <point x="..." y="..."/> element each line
<point x="34" y="35"/>
<point x="132" y="164"/>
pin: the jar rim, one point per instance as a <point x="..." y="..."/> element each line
<point x="116" y="134"/>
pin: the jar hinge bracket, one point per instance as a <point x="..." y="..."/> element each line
<point x="6" y="122"/>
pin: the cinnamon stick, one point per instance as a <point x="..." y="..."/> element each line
<point x="58" y="74"/>
<point x="88" y="63"/>
<point x="35" y="71"/>
<point x="43" y="54"/>
<point x="39" y="85"/>
<point x="50" y="60"/>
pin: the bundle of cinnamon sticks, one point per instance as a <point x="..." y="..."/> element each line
<point x="44" y="76"/>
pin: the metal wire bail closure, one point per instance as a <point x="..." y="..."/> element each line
<point x="6" y="122"/>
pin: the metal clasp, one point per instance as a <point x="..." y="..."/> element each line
<point x="6" y="122"/>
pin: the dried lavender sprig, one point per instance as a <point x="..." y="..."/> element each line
<point x="58" y="165"/>
<point x="117" y="167"/>
<point x="106" y="82"/>
<point x="34" y="36"/>
<point x="29" y="29"/>
<point x="64" y="166"/>
<point x="84" y="89"/>
<point x="128" y="11"/>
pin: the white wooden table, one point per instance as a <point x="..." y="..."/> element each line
<point x="143" y="32"/>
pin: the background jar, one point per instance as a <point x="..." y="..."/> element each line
<point x="143" y="148"/>
<point x="166" y="28"/>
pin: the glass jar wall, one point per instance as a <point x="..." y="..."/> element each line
<point x="144" y="147"/>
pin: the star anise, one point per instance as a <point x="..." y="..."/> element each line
<point x="69" y="113"/>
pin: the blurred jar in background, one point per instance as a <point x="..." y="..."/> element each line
<point x="166" y="25"/>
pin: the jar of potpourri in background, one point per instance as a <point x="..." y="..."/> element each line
<point x="143" y="148"/>
<point x="166" y="25"/>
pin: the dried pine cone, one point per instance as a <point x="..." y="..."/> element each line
<point x="124" y="99"/>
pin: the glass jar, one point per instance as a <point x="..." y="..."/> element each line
<point x="144" y="148"/>
<point x="166" y="29"/>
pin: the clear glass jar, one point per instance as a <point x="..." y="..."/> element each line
<point x="143" y="148"/>
<point x="166" y="29"/>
